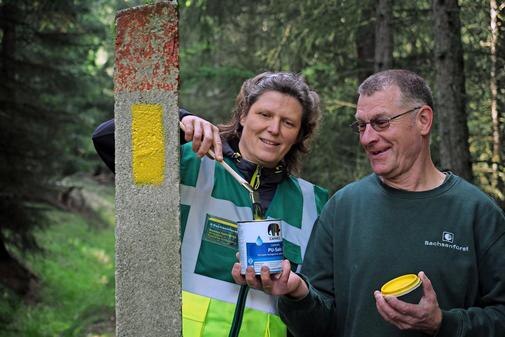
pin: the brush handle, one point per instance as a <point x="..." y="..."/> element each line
<point x="227" y="167"/>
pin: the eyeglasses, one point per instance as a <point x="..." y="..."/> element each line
<point x="378" y="124"/>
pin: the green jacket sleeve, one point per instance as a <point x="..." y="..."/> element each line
<point x="318" y="306"/>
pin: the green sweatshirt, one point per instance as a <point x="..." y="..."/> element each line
<point x="369" y="233"/>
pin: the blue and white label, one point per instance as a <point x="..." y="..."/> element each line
<point x="260" y="244"/>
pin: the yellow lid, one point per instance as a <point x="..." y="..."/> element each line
<point x="401" y="285"/>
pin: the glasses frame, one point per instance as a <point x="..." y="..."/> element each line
<point x="360" y="127"/>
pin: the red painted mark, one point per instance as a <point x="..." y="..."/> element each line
<point x="147" y="48"/>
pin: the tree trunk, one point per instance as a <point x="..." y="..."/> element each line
<point x="495" y="118"/>
<point x="500" y="98"/>
<point x="384" y="35"/>
<point x="12" y="273"/>
<point x="450" y="89"/>
<point x="8" y="28"/>
<point x="365" y="42"/>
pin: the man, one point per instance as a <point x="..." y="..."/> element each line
<point x="406" y="217"/>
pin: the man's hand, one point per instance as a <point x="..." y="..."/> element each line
<point x="283" y="283"/>
<point x="425" y="316"/>
<point x="204" y="136"/>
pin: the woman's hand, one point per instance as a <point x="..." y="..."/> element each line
<point x="204" y="135"/>
<point x="284" y="283"/>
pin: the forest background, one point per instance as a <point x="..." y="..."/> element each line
<point x="56" y="66"/>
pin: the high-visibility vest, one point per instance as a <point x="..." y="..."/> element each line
<point x="211" y="204"/>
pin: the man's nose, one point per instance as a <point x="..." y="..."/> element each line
<point x="369" y="135"/>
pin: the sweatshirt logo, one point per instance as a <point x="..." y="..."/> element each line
<point x="447" y="242"/>
<point x="448" y="237"/>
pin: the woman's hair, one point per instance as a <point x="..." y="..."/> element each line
<point x="286" y="83"/>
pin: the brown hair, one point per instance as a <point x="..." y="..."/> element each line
<point x="286" y="83"/>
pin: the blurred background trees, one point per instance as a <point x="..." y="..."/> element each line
<point x="53" y="90"/>
<point x="56" y="63"/>
<point x="335" y="45"/>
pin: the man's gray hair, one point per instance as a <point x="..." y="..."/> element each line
<point x="412" y="86"/>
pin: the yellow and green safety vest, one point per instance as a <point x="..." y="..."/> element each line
<point x="211" y="204"/>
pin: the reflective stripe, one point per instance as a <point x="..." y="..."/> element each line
<point x="300" y="236"/>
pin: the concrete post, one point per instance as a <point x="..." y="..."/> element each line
<point x="148" y="286"/>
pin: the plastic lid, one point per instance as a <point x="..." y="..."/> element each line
<point x="401" y="285"/>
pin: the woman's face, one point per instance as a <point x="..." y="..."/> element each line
<point x="270" y="128"/>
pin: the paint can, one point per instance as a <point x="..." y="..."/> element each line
<point x="260" y="244"/>
<point x="405" y="287"/>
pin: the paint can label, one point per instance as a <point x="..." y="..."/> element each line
<point x="260" y="244"/>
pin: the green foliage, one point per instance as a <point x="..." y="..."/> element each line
<point x="76" y="278"/>
<point x="53" y="91"/>
<point x="476" y="39"/>
<point x="239" y="39"/>
<point x="222" y="43"/>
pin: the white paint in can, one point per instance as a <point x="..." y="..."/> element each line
<point x="260" y="244"/>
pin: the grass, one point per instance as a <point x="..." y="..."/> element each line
<point x="76" y="276"/>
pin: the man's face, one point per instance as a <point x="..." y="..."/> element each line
<point x="395" y="152"/>
<point x="270" y="128"/>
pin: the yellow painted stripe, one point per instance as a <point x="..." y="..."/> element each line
<point x="224" y="222"/>
<point x="148" y="144"/>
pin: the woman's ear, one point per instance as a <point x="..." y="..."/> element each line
<point x="425" y="120"/>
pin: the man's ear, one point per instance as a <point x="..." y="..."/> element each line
<point x="425" y="120"/>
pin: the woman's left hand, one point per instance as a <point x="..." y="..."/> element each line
<point x="284" y="283"/>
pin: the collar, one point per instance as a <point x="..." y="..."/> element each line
<point x="259" y="177"/>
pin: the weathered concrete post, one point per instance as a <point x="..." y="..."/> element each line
<point x="148" y="286"/>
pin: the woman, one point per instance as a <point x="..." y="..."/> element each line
<point x="274" y="117"/>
